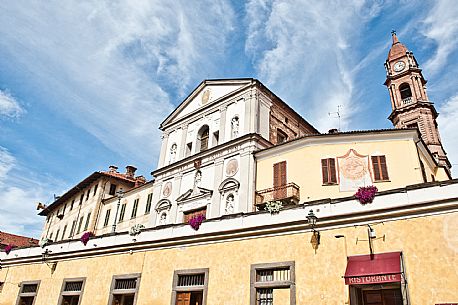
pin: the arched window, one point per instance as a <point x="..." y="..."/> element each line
<point x="202" y="138"/>
<point x="405" y="91"/>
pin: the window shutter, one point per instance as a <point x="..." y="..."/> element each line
<point x="383" y="168"/>
<point x="332" y="169"/>
<point x="328" y="169"/>
<point x="276" y="174"/>
<point x="283" y="173"/>
<point x="376" y="168"/>
<point x="380" y="168"/>
<point x="324" y="170"/>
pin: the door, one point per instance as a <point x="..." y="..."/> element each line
<point x="183" y="298"/>
<point x="382" y="297"/>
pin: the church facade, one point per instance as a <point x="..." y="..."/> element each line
<point x="250" y="204"/>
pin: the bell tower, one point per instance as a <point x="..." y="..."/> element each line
<point x="409" y="100"/>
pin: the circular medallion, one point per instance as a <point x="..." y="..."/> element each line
<point x="353" y="168"/>
<point x="232" y="167"/>
<point x="167" y="190"/>
<point x="205" y="96"/>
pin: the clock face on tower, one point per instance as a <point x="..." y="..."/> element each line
<point x="399" y="66"/>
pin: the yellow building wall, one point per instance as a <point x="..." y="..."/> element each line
<point x="303" y="167"/>
<point x="429" y="245"/>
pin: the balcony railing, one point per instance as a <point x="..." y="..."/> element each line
<point x="288" y="194"/>
<point x="407" y="101"/>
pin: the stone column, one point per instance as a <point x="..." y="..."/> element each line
<point x="162" y="156"/>
<point x="184" y="133"/>
<point x="218" y="178"/>
<point x="222" y="124"/>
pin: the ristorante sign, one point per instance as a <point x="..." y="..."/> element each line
<point x="373" y="279"/>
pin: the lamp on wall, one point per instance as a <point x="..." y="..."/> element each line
<point x="120" y="195"/>
<point x="315" y="240"/>
<point x="44" y="259"/>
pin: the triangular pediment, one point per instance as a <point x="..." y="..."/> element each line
<point x="207" y="93"/>
<point x="193" y="194"/>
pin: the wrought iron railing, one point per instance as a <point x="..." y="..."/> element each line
<point x="407" y="101"/>
<point x="288" y="194"/>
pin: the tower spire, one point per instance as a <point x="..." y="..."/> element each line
<point x="409" y="100"/>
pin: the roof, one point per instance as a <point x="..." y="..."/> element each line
<point x="83" y="184"/>
<point x="16" y="240"/>
<point x="397" y="49"/>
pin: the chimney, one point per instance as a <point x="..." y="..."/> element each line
<point x="130" y="171"/>
<point x="113" y="169"/>
<point x="139" y="180"/>
<point x="333" y="130"/>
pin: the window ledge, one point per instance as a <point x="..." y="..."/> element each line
<point x="329" y="184"/>
<point x="380" y="181"/>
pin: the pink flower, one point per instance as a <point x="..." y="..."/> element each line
<point x="9" y="248"/>
<point x="366" y="194"/>
<point x="85" y="237"/>
<point x="196" y="221"/>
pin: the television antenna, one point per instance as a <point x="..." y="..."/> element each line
<point x="337" y="113"/>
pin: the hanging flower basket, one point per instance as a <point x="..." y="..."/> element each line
<point x="274" y="207"/>
<point x="136" y="229"/>
<point x="9" y="248"/>
<point x="196" y="221"/>
<point x="366" y="194"/>
<point x="85" y="237"/>
<point x="44" y="242"/>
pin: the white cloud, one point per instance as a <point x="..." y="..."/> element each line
<point x="448" y="126"/>
<point x="108" y="66"/>
<point x="9" y="106"/>
<point x="441" y="25"/>
<point x="302" y="50"/>
<point x="18" y="197"/>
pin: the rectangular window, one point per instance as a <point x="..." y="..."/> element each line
<point x="79" y="225"/>
<point x="65" y="207"/>
<point x="328" y="170"/>
<point x="71" y="205"/>
<point x="190" y="287"/>
<point x="95" y="189"/>
<point x="123" y="211"/>
<point x="87" y="194"/>
<point x="63" y="232"/>
<point x="134" y="209"/>
<point x="50" y="236"/>
<point x="148" y="203"/>
<point x="124" y="289"/>
<point x="107" y="218"/>
<point x="379" y="167"/>
<point x="81" y="199"/>
<point x="281" y="136"/>
<point x="273" y="283"/>
<point x="27" y="293"/>
<point x="72" y="231"/>
<point x="112" y="189"/>
<point x="72" y="291"/>
<point x="57" y="234"/>
<point x="88" y="218"/>
<point x="190" y="214"/>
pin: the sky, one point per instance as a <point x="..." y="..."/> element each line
<point x="85" y="84"/>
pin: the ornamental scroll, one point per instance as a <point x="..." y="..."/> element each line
<point x="353" y="171"/>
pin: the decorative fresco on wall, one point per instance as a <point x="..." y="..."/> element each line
<point x="353" y="171"/>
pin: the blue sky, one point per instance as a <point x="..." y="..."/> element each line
<point x="85" y="84"/>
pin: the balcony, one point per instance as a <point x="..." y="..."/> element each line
<point x="288" y="194"/>
<point x="407" y="101"/>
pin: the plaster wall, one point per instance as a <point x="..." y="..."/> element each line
<point x="304" y="166"/>
<point x="429" y="246"/>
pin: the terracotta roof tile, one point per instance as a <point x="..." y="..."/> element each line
<point x="16" y="240"/>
